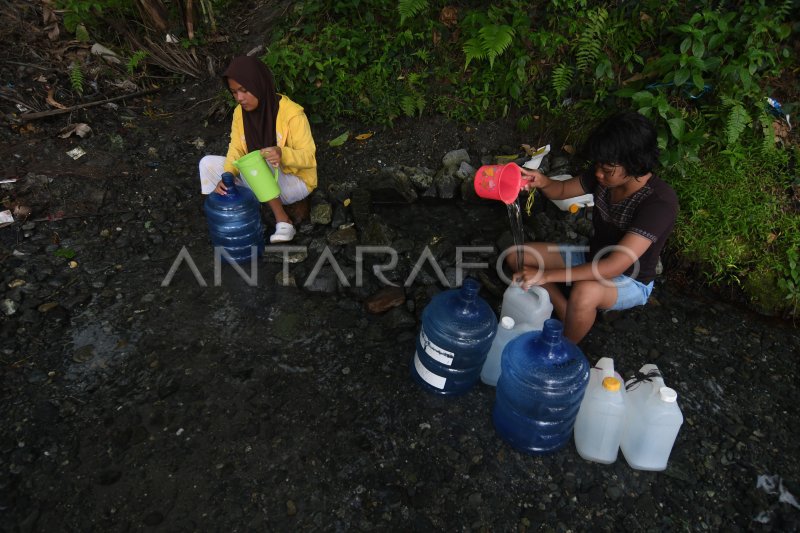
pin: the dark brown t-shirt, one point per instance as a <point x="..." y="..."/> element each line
<point x="650" y="212"/>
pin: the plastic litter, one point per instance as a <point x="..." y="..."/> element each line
<point x="775" y="108"/>
<point x="774" y="485"/>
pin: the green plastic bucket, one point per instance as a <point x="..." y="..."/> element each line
<point x="259" y="176"/>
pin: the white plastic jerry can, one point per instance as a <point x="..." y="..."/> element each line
<point x="576" y="203"/>
<point x="506" y="331"/>
<point x="601" y="417"/>
<point x="652" y="421"/>
<point x="529" y="308"/>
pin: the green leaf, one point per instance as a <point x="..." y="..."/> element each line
<point x="677" y="127"/>
<point x="643" y="98"/>
<point x="686" y="44"/>
<point x="681" y="76"/>
<point x="716" y="40"/>
<point x="698" y="48"/>
<point x="66" y="253"/>
<point x="340" y="140"/>
<point x="698" y="80"/>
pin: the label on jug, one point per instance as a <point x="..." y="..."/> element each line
<point x="435" y="352"/>
<point x="429" y="377"/>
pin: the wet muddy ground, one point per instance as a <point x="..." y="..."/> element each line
<point x="132" y="400"/>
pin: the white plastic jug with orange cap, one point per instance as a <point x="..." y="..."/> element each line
<point x="601" y="417"/>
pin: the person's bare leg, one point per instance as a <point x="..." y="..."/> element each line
<point x="277" y="209"/>
<point x="585" y="299"/>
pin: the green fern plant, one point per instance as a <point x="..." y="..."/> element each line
<point x="561" y="79"/>
<point x="135" y="60"/>
<point x="411" y="8"/>
<point x="738" y="120"/>
<point x="590" y="41"/>
<point x="412" y="104"/>
<point x="76" y="78"/>
<point x="492" y="40"/>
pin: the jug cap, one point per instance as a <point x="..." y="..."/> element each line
<point x="611" y="384"/>
<point x="667" y="395"/>
<point x="507" y="322"/>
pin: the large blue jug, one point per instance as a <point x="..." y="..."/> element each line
<point x="458" y="327"/>
<point x="234" y="221"/>
<point x="540" y="390"/>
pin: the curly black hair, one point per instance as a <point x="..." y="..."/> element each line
<point x="627" y="139"/>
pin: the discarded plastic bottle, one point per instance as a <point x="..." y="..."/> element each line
<point x="529" y="308"/>
<point x="601" y="417"/>
<point x="506" y="331"/>
<point x="652" y="420"/>
<point x="234" y="221"/>
<point x="458" y="328"/>
<point x="542" y="382"/>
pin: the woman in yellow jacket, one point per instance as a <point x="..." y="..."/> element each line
<point x="269" y="122"/>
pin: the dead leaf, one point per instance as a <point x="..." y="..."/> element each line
<point x="81" y="130"/>
<point x="365" y="136"/>
<point x="436" y="38"/>
<point x="568" y="148"/>
<point x="781" y="129"/>
<point x="41" y="79"/>
<point x="52" y="101"/>
<point x="21" y="211"/>
<point x="771" y="238"/>
<point x="449" y="16"/>
<point x="533" y="151"/>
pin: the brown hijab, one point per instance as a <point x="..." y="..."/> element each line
<point x="259" y="124"/>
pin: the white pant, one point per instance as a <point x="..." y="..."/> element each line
<point x="293" y="189"/>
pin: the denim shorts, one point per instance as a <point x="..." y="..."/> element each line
<point x="630" y="292"/>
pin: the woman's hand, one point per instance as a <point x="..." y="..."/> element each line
<point x="530" y="276"/>
<point x="221" y="189"/>
<point x="272" y="154"/>
<point x="535" y="179"/>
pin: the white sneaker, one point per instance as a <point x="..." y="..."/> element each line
<point x="284" y="232"/>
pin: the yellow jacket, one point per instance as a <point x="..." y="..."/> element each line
<point x="293" y="132"/>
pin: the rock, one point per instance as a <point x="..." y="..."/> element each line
<point x="279" y="256"/>
<point x="376" y="233"/>
<point x="321" y="214"/>
<point x="398" y="318"/>
<point x="83" y="354"/>
<point x="466" y="171"/>
<point x="291" y="508"/>
<point x="325" y="280"/>
<point x="420" y="177"/>
<point x="343" y="236"/>
<point x="447" y="185"/>
<point x="452" y="160"/>
<point x="385" y="299"/>
<point x="392" y="185"/>
<point x="8" y="306"/>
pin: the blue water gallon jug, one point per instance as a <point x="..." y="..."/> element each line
<point x="541" y="386"/>
<point x="458" y="327"/>
<point x="234" y="221"/>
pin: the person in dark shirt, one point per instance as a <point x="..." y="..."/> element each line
<point x="634" y="213"/>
